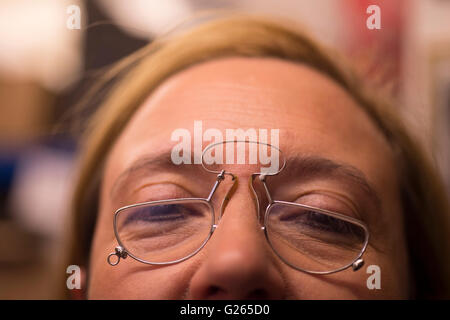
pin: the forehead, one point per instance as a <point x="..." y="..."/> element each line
<point x="251" y="92"/>
<point x="312" y="112"/>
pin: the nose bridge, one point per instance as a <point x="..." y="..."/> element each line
<point x="240" y="218"/>
<point x="238" y="261"/>
<point x="241" y="193"/>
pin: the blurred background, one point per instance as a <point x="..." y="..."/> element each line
<point x="46" y="66"/>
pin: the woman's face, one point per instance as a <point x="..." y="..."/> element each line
<point x="317" y="120"/>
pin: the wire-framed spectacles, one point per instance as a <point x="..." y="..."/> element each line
<point x="309" y="239"/>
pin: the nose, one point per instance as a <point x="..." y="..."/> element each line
<point x="237" y="262"/>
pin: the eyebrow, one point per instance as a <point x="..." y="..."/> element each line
<point x="302" y="166"/>
<point x="144" y="165"/>
<point x="309" y="167"/>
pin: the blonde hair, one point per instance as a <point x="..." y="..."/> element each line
<point x="425" y="205"/>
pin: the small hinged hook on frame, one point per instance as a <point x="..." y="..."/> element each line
<point x="119" y="252"/>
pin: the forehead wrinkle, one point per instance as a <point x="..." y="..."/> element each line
<point x="232" y="111"/>
<point x="234" y="93"/>
<point x="246" y="89"/>
<point x="253" y="86"/>
<point x="246" y="111"/>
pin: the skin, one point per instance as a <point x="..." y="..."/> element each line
<point x="316" y="118"/>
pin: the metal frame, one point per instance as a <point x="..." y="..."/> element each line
<point x="121" y="252"/>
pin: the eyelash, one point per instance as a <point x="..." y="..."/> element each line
<point x="328" y="202"/>
<point x="322" y="222"/>
<point x="317" y="199"/>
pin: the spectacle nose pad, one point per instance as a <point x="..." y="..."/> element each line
<point x="259" y="196"/>
<point x="232" y="186"/>
<point x="256" y="195"/>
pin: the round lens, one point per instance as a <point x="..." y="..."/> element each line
<point x="164" y="232"/>
<point x="313" y="240"/>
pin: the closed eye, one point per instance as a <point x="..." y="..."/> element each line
<point x="160" y="213"/>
